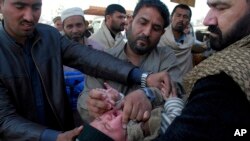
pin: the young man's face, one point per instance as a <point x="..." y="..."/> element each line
<point x="74" y="27"/>
<point x="228" y="21"/>
<point x="117" y="21"/>
<point x="144" y="30"/>
<point x="20" y="16"/>
<point x="110" y="123"/>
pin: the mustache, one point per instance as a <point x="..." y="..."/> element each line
<point x="143" y="37"/>
<point x="27" y="22"/>
<point x="214" y="29"/>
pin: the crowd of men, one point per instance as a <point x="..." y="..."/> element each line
<point x="132" y="80"/>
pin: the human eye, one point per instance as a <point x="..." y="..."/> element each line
<point x="107" y="126"/>
<point x="157" y="28"/>
<point x="69" y="26"/>
<point x="37" y="7"/>
<point x="19" y="5"/>
<point x="142" y="21"/>
<point x="79" y="25"/>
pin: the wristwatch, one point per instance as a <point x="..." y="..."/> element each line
<point x="150" y="95"/>
<point x="144" y="79"/>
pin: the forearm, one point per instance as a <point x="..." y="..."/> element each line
<point x="95" y="63"/>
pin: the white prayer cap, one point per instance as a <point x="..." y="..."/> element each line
<point x="71" y="12"/>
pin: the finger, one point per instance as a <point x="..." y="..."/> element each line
<point x="139" y="116"/>
<point x="126" y="114"/>
<point x="174" y="90"/>
<point x="164" y="93"/>
<point x="134" y="111"/>
<point x="75" y="132"/>
<point x="100" y="104"/>
<point x="146" y="115"/>
<point x="97" y="94"/>
<point x="107" y="86"/>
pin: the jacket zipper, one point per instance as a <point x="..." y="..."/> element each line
<point x="45" y="90"/>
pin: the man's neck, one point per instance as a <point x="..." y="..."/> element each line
<point x="177" y="34"/>
<point x="134" y="58"/>
<point x="112" y="32"/>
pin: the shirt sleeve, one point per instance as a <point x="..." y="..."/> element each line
<point x="172" y="108"/>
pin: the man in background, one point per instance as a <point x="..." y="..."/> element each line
<point x="176" y="38"/>
<point x="58" y="24"/>
<point x="109" y="35"/>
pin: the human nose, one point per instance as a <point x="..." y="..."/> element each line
<point x="74" y="29"/>
<point x="147" y="30"/>
<point x="28" y="14"/>
<point x="210" y="18"/>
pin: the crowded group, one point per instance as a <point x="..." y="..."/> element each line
<point x="141" y="76"/>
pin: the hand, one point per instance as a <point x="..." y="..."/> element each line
<point x="69" y="135"/>
<point x="156" y="80"/>
<point x="112" y="93"/>
<point x="136" y="107"/>
<point x="98" y="102"/>
<point x="165" y="93"/>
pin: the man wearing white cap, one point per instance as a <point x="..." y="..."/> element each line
<point x="74" y="27"/>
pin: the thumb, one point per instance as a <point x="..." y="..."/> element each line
<point x="107" y="85"/>
<point x="77" y="130"/>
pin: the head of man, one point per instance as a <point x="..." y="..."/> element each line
<point x="110" y="123"/>
<point x="74" y="23"/>
<point x="180" y="18"/>
<point x="115" y="16"/>
<point x="20" y="17"/>
<point x="228" y="21"/>
<point x="146" y="26"/>
<point x="58" y="23"/>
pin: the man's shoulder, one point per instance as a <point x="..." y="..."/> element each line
<point x="40" y="27"/>
<point x="164" y="50"/>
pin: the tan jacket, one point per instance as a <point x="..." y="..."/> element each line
<point x="104" y="37"/>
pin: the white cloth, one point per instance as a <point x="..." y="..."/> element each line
<point x="182" y="51"/>
<point x="104" y="37"/>
<point x="74" y="11"/>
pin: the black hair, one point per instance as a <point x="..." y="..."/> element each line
<point x="182" y="6"/>
<point x="159" y="5"/>
<point x="112" y="8"/>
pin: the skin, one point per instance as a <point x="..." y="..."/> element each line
<point x="110" y="124"/>
<point x="116" y="22"/>
<point x="24" y="17"/>
<point x="144" y="32"/>
<point x="20" y="18"/>
<point x="179" y="21"/>
<point x="58" y="25"/>
<point x="225" y="19"/>
<point x="74" y="28"/>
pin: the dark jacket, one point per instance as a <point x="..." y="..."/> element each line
<point x="49" y="52"/>
<point x="216" y="108"/>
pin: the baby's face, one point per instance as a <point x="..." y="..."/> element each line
<point x="110" y="123"/>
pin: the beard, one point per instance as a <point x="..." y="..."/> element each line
<point x="76" y="38"/>
<point x="179" y="27"/>
<point x="118" y="28"/>
<point x="238" y="31"/>
<point x="135" y="47"/>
